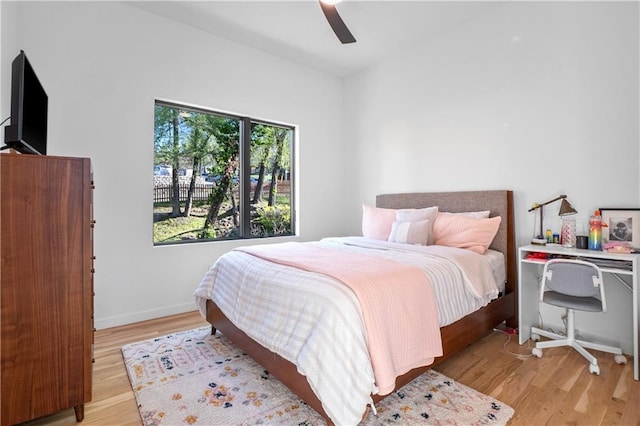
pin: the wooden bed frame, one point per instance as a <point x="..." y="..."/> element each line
<point x="455" y="336"/>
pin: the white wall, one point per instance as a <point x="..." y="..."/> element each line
<point x="103" y="64"/>
<point x="537" y="97"/>
<point x="7" y="53"/>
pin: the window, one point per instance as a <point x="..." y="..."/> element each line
<point x="220" y="177"/>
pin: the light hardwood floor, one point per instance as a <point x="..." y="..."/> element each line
<point x="555" y="390"/>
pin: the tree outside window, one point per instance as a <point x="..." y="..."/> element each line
<point x="220" y="177"/>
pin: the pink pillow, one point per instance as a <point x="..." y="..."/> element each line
<point x="417" y="232"/>
<point x="465" y="232"/>
<point x="376" y="222"/>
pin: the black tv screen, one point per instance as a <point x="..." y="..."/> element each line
<point x="29" y="105"/>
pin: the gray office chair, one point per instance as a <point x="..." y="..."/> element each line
<point x="574" y="285"/>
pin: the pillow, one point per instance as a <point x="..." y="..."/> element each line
<point x="417" y="232"/>
<point x="415" y="215"/>
<point x="476" y="215"/>
<point x="465" y="232"/>
<point x="376" y="222"/>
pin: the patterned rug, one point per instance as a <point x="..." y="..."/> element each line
<point x="192" y="377"/>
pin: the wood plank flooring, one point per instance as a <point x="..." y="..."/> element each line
<point x="556" y="389"/>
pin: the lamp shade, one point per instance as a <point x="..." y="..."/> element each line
<point x="566" y="208"/>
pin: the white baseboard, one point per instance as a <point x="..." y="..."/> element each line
<point x="102" y="323"/>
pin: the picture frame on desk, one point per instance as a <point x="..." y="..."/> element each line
<point x="622" y="225"/>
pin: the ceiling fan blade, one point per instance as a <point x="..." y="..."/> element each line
<point x="337" y="24"/>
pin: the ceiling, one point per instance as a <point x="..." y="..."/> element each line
<point x="298" y="31"/>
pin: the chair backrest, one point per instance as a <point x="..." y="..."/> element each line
<point x="575" y="278"/>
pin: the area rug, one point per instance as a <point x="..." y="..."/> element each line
<point x="193" y="377"/>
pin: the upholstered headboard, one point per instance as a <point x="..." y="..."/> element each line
<point x="498" y="202"/>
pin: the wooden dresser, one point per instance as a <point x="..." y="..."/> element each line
<point x="46" y="285"/>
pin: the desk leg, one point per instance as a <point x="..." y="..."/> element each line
<point x="528" y="295"/>
<point x="636" y="319"/>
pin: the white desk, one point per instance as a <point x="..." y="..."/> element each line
<point x="529" y="271"/>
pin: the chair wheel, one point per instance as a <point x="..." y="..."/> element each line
<point x="535" y="337"/>
<point x="536" y="352"/>
<point x="620" y="359"/>
<point x="594" y="369"/>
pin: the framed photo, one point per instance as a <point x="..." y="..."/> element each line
<point x="623" y="225"/>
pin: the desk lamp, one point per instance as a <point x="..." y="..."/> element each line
<point x="566" y="209"/>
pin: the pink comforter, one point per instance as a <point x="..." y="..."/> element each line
<point x="398" y="307"/>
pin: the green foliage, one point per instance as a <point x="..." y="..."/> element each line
<point x="207" y="233"/>
<point x="267" y="221"/>
<point x="177" y="229"/>
<point x="182" y="136"/>
<point x="275" y="220"/>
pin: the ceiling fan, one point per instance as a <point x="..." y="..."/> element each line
<point x="335" y="21"/>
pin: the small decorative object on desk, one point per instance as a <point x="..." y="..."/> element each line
<point x="549" y="236"/>
<point x="582" y="241"/>
<point x="595" y="231"/>
<point x="568" y="233"/>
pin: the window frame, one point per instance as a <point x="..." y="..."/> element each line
<point x="244" y="172"/>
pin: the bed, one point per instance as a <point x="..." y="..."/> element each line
<point x="455" y="335"/>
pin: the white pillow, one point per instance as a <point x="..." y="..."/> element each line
<point x="418" y="232"/>
<point x="417" y="215"/>
<point x="413" y="215"/>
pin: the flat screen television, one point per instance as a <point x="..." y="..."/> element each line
<point x="29" y="105"/>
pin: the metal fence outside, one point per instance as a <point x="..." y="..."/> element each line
<point x="163" y="193"/>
